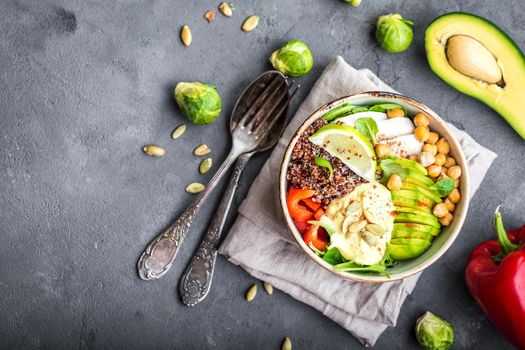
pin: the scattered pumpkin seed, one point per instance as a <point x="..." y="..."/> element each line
<point x="179" y="130"/>
<point x="205" y="166"/>
<point x="154" y="151"/>
<point x="357" y="226"/>
<point x="202" y="150"/>
<point x="250" y="294"/>
<point x="195" y="187"/>
<point x="209" y="15"/>
<point x="287" y="344"/>
<point x="250" y="23"/>
<point x="226" y="9"/>
<point x="268" y="288"/>
<point x="375" y="229"/>
<point x="369" y="238"/>
<point x="185" y="35"/>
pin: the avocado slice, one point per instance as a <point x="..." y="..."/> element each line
<point x="416" y="188"/>
<point x="412" y="234"/>
<point x="417" y="219"/>
<point x="416" y="176"/>
<point x="454" y="53"/>
<point x="409" y="164"/>
<point x="418" y="197"/>
<point x="409" y="226"/>
<point x="411" y="203"/>
<point x="415" y="211"/>
<point x="407" y="251"/>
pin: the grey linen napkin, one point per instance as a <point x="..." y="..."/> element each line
<point x="364" y="309"/>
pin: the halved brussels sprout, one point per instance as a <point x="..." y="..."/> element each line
<point x="394" y="33"/>
<point x="433" y="332"/>
<point x="354" y="3"/>
<point x="294" y="59"/>
<point x="200" y="103"/>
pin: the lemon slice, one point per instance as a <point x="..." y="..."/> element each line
<point x="350" y="146"/>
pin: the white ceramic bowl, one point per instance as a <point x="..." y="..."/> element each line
<point x="442" y="242"/>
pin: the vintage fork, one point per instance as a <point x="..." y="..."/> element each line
<point x="247" y="132"/>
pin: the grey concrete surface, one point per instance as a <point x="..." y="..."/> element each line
<point x="85" y="84"/>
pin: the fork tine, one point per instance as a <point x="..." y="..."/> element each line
<point x="263" y="112"/>
<point x="263" y="128"/>
<point x="262" y="96"/>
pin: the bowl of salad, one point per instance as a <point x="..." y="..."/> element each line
<point x="374" y="187"/>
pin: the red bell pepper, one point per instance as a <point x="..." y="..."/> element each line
<point x="318" y="214"/>
<point x="301" y="226"/>
<point x="316" y="236"/>
<point x="297" y="210"/>
<point x="495" y="277"/>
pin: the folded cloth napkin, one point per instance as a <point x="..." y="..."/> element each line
<point x="364" y="309"/>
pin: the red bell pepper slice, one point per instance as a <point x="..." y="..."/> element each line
<point x="495" y="277"/>
<point x="311" y="204"/>
<point x="301" y="226"/>
<point x="297" y="210"/>
<point x="318" y="214"/>
<point x="316" y="236"/>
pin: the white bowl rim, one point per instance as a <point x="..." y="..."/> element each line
<point x="464" y="185"/>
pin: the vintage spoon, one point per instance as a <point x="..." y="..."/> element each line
<point x="196" y="280"/>
<point x="248" y="126"/>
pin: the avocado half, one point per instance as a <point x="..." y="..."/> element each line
<point x="470" y="69"/>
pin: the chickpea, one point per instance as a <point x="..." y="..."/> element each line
<point x="454" y="196"/>
<point x="426" y="159"/>
<point x="395" y="183"/>
<point x="446" y="220"/>
<point x="440" y="210"/>
<point x="422" y="133"/>
<point x="450" y="162"/>
<point x="440" y="159"/>
<point x="421" y="120"/>
<point x="394" y="113"/>
<point x="456" y="183"/>
<point x="454" y="172"/>
<point x="432" y="137"/>
<point x="430" y="148"/>
<point x="443" y="146"/>
<point x="434" y="170"/>
<point x="450" y="206"/>
<point x="382" y="150"/>
<point x="444" y="171"/>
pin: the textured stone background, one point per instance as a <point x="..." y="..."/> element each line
<point x="85" y="84"/>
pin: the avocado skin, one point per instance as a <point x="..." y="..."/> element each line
<point x="417" y="219"/>
<point x="411" y="227"/>
<point x="413" y="249"/>
<point x="510" y="103"/>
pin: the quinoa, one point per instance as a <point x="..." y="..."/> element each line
<point x="304" y="173"/>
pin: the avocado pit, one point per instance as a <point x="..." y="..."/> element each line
<point x="471" y="58"/>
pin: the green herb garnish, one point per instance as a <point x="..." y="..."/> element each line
<point x="443" y="187"/>
<point x="367" y="127"/>
<point x="389" y="167"/>
<point x="325" y="163"/>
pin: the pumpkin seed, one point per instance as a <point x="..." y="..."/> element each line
<point x="185" y="35"/>
<point x="352" y="207"/>
<point x="268" y="288"/>
<point x="226" y="9"/>
<point x="250" y="294"/>
<point x="202" y="150"/>
<point x="209" y="15"/>
<point x="250" y="23"/>
<point x="195" y="187"/>
<point x="358" y="226"/>
<point x="205" y="166"/>
<point x="369" y="238"/>
<point x="287" y="344"/>
<point x="179" y="130"/>
<point x="154" y="151"/>
<point x="375" y="229"/>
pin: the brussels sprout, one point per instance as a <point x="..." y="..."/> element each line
<point x="433" y="332"/>
<point x="294" y="59"/>
<point x="394" y="33"/>
<point x="354" y="3"/>
<point x="200" y="103"/>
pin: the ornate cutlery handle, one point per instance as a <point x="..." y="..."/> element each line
<point x="159" y="255"/>
<point x="196" y="280"/>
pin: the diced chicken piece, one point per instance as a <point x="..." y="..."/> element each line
<point x="395" y="127"/>
<point x="403" y="146"/>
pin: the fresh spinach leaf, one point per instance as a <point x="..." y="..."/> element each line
<point x="328" y="229"/>
<point x="338" y="112"/>
<point x="325" y="163"/>
<point x="443" y="187"/>
<point x="360" y="109"/>
<point x="351" y="266"/>
<point x="368" y="127"/>
<point x="389" y="167"/>
<point x="383" y="107"/>
<point x="333" y="256"/>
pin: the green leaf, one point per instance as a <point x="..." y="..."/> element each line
<point x="338" y="112"/>
<point x="383" y="107"/>
<point x="351" y="266"/>
<point x="360" y="109"/>
<point x="333" y="256"/>
<point x="325" y="163"/>
<point x="328" y="229"/>
<point x="443" y="187"/>
<point x="389" y="167"/>
<point x="368" y="127"/>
